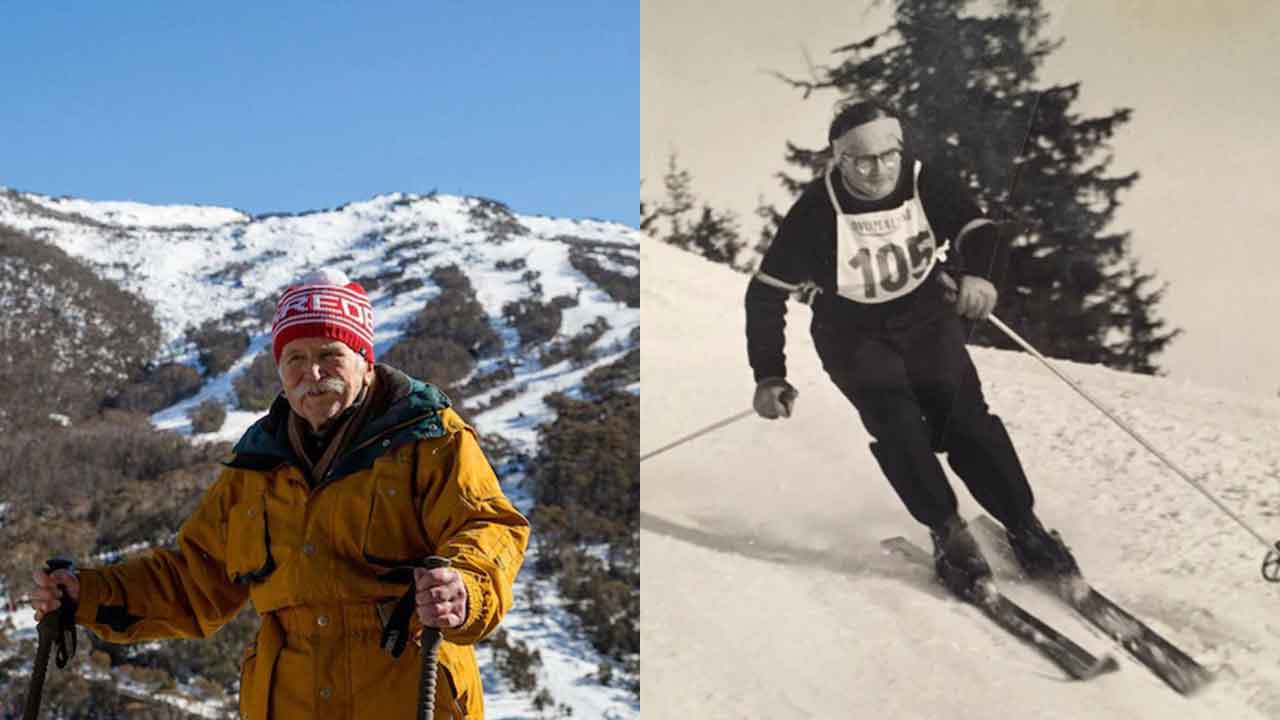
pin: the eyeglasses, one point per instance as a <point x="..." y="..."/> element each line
<point x="864" y="164"/>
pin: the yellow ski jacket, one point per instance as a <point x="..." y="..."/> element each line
<point x="320" y="564"/>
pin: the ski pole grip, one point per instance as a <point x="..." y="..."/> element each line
<point x="59" y="563"/>
<point x="430" y="647"/>
<point x="63" y="627"/>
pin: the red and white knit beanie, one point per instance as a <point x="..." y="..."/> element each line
<point x="324" y="303"/>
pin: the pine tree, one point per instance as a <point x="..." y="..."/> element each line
<point x="1146" y="336"/>
<point x="967" y="91"/>
<point x="678" y="220"/>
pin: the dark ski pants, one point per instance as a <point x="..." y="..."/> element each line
<point x="918" y="394"/>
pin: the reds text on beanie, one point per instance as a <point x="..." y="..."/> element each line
<point x="324" y="303"/>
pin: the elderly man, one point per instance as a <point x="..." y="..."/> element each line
<point x="870" y="236"/>
<point x="322" y="518"/>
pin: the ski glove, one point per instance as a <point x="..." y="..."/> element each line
<point x="775" y="397"/>
<point x="975" y="297"/>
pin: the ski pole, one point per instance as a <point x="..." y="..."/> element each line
<point x="698" y="433"/>
<point x="57" y="626"/>
<point x="1270" y="565"/>
<point x="430" y="648"/>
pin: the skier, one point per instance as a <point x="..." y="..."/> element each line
<point x="322" y="517"/>
<point x="867" y="242"/>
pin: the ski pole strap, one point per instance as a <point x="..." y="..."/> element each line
<point x="395" y="629"/>
<point x="65" y="626"/>
<point x="395" y="633"/>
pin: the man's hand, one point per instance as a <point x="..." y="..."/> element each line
<point x="774" y="398"/>
<point x="45" y="597"/>
<point x="975" y="298"/>
<point x="441" y="597"/>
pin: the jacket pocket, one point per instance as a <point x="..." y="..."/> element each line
<point x="249" y="556"/>
<point x="392" y="535"/>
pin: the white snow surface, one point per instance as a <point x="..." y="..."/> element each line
<point x="766" y="593"/>
<point x="140" y="215"/>
<point x="200" y="263"/>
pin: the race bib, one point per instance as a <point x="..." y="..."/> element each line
<point x="885" y="254"/>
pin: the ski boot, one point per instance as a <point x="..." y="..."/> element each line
<point x="958" y="560"/>
<point x="1040" y="552"/>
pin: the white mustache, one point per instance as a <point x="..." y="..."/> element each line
<point x="331" y="384"/>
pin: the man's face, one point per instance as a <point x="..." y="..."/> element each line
<point x="322" y="377"/>
<point x="870" y="157"/>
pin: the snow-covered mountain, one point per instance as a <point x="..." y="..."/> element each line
<point x="196" y="264"/>
<point x="767" y="595"/>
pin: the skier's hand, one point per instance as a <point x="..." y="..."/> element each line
<point x="775" y="398"/>
<point x="441" y="597"/>
<point x="45" y="598"/>
<point x="975" y="297"/>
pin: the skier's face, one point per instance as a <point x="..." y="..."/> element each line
<point x="322" y="377"/>
<point x="869" y="157"/>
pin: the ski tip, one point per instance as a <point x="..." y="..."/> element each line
<point x="900" y="545"/>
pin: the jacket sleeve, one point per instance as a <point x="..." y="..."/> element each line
<point x="167" y="593"/>
<point x="469" y="520"/>
<point x="781" y="273"/>
<point x="955" y="215"/>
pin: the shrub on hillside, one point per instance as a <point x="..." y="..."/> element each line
<point x="613" y="377"/>
<point x="257" y="387"/>
<point x="69" y="693"/>
<point x="257" y="314"/>
<point x="589" y="456"/>
<point x="163" y="386"/>
<point x="451" y="277"/>
<point x="587" y="490"/>
<point x="486" y="381"/>
<point x="207" y="417"/>
<point x="70" y="339"/>
<point x="536" y="322"/>
<point x="405" y="285"/>
<point x="497" y="448"/>
<point x="103" y="483"/>
<point x="621" y="288"/>
<point x="219" y="348"/>
<point x="564" y="302"/>
<point x="515" y="661"/>
<point x="438" y="361"/>
<point x="216" y="658"/>
<point x="576" y="349"/>
<point x="608" y="607"/>
<point x="455" y="315"/>
<point x="495" y="219"/>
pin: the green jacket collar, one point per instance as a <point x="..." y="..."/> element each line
<point x="413" y="414"/>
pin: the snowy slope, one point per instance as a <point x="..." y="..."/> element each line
<point x="766" y="594"/>
<point x="196" y="263"/>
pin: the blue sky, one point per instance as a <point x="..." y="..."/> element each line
<point x="297" y="106"/>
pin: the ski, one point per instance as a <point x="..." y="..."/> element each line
<point x="1169" y="663"/>
<point x="1074" y="660"/>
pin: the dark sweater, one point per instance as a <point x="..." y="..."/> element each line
<point x="803" y="252"/>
